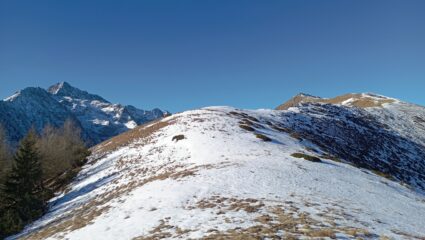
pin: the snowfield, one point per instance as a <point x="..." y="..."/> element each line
<point x="205" y="174"/>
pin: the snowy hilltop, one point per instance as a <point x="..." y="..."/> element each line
<point x="98" y="118"/>
<point x="350" y="168"/>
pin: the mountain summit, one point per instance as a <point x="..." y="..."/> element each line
<point x="362" y="100"/>
<point x="64" y="89"/>
<point x="98" y="118"/>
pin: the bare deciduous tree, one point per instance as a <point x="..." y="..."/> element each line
<point x="62" y="149"/>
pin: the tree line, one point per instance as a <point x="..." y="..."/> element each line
<point x="40" y="165"/>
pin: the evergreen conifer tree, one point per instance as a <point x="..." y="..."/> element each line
<point x="24" y="197"/>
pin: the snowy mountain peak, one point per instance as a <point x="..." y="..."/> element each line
<point x="98" y="118"/>
<point x="306" y="95"/>
<point x="64" y="89"/>
<point x="54" y="89"/>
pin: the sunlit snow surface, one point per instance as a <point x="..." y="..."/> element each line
<point x="154" y="181"/>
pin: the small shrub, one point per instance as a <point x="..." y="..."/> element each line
<point x="263" y="137"/>
<point x="306" y="157"/>
<point x="178" y="137"/>
<point x="246" y="127"/>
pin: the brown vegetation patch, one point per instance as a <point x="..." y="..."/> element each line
<point x="244" y="115"/>
<point x="330" y="157"/>
<point x="164" y="230"/>
<point x="320" y="233"/>
<point x="271" y="222"/>
<point x="178" y="137"/>
<point x="85" y="214"/>
<point x="281" y="129"/>
<point x="296" y="136"/>
<point x="224" y="204"/>
<point x="246" y="127"/>
<point x="263" y="137"/>
<point x="124" y="139"/>
<point x="287" y="223"/>
<point x="69" y="223"/>
<point x="359" y="101"/>
<point x="306" y="157"/>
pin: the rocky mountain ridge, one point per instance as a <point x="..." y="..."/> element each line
<point x="98" y="118"/>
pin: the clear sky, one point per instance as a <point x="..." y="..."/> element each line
<point x="185" y="54"/>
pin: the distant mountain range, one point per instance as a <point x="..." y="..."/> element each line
<point x="98" y="118"/>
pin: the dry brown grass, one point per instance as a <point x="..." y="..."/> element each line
<point x="124" y="139"/>
<point x="272" y="222"/>
<point x="263" y="137"/>
<point x="330" y="157"/>
<point x="246" y="127"/>
<point x="281" y="129"/>
<point x="359" y="101"/>
<point x="296" y="136"/>
<point x="85" y="214"/>
<point x="306" y="157"/>
<point x="271" y="226"/>
<point x="178" y="137"/>
<point x="224" y="204"/>
<point x="320" y="233"/>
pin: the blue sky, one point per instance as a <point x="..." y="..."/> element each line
<point x="186" y="54"/>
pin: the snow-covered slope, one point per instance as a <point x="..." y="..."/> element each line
<point x="99" y="119"/>
<point x="367" y="130"/>
<point x="224" y="173"/>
